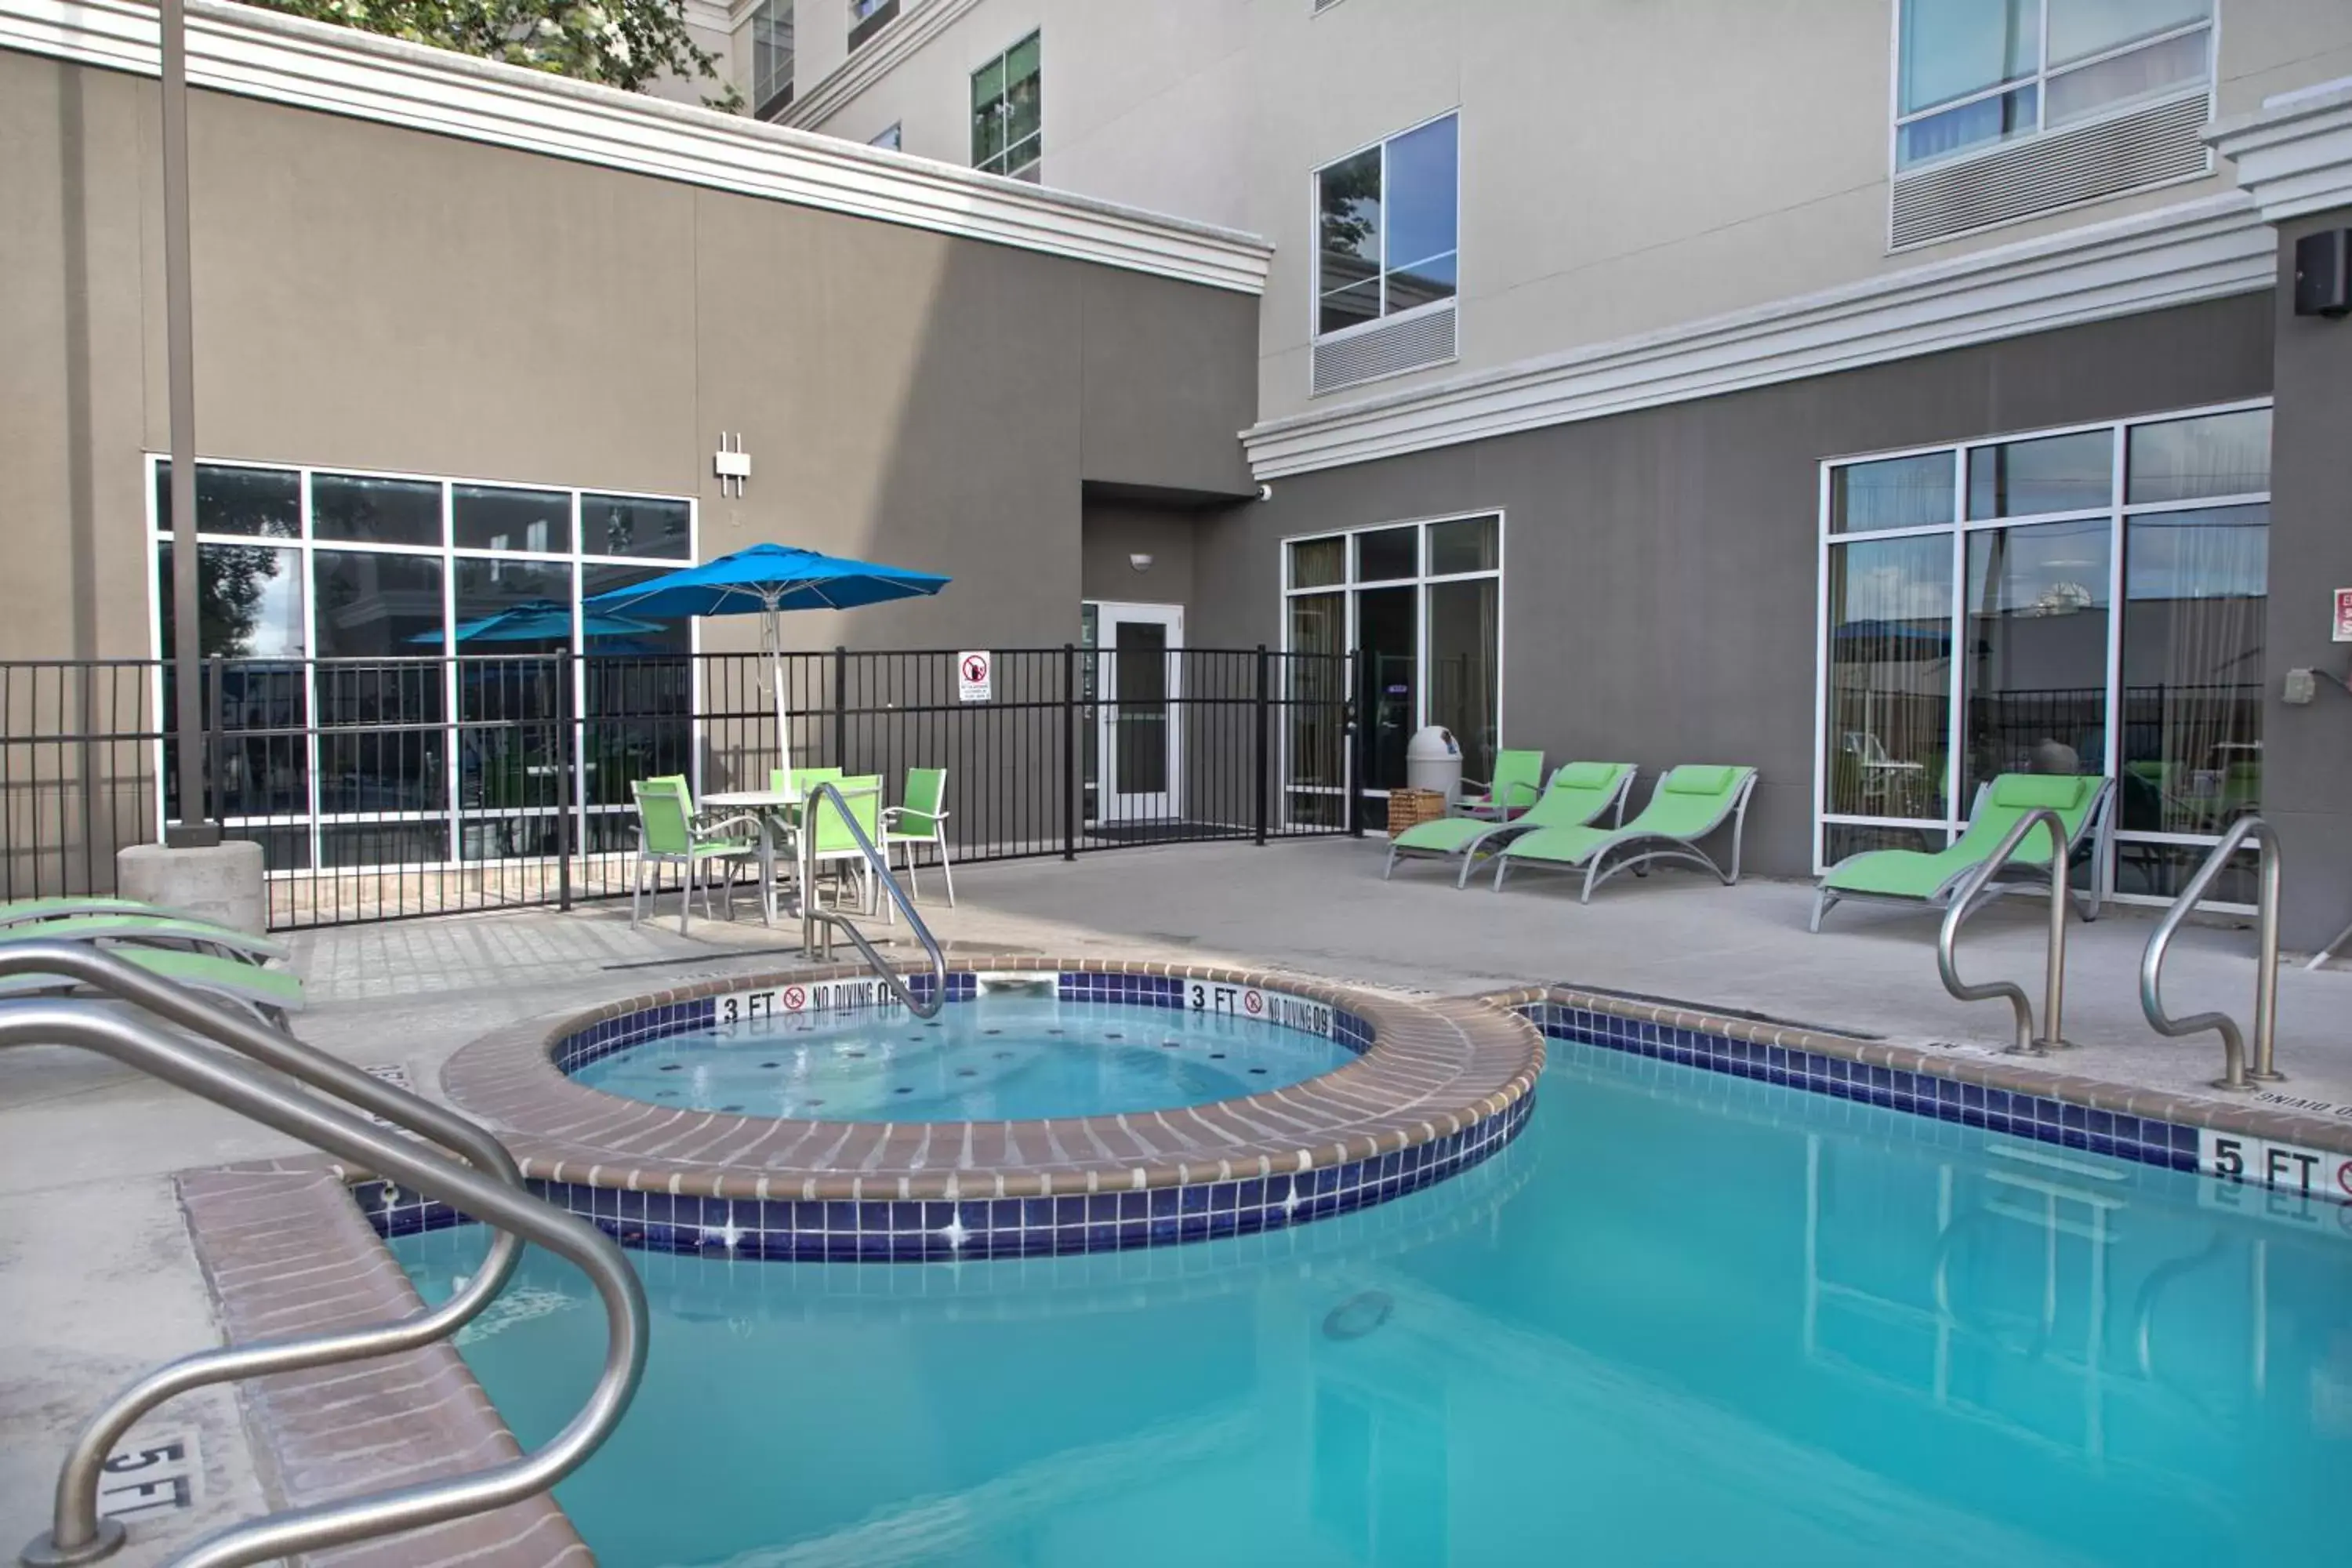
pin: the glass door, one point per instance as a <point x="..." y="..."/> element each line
<point x="1137" y="739"/>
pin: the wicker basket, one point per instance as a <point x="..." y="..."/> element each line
<point x="1412" y="808"/>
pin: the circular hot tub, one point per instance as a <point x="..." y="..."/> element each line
<point x="1050" y="1107"/>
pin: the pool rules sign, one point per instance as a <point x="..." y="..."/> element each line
<point x="975" y="675"/>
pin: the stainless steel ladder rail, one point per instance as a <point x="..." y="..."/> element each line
<point x="268" y="1099"/>
<point x="812" y="917"/>
<point x="76" y="1532"/>
<point x="2054" y="992"/>
<point x="2235" y="1073"/>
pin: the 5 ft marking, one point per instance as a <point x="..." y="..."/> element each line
<point x="2308" y="1172"/>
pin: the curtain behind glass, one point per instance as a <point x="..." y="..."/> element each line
<point x="1890" y="675"/>
<point x="2036" y="671"/>
<point x="2196" y="596"/>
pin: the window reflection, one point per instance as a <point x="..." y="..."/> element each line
<point x="267" y="502"/>
<point x="1890" y="675"/>
<point x="2196" y="593"/>
<point x="250" y="600"/>
<point x="1894" y="492"/>
<point x="2037" y="652"/>
<point x="380" y="692"/>
<point x="375" y="511"/>
<point x="2189" y="459"/>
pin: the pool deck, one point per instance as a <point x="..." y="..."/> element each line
<point x="98" y="1276"/>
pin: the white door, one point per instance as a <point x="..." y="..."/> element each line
<point x="1138" y="675"/>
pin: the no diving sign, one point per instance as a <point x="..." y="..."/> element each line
<point x="974" y="673"/>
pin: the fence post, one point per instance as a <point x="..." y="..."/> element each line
<point x="1264" y="753"/>
<point x="1350" y="750"/>
<point x="567" y="791"/>
<point x="841" y="707"/>
<point x="214" y="805"/>
<point x="1070" y="751"/>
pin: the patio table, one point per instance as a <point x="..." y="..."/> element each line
<point x="778" y="811"/>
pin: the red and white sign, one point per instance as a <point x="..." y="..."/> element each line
<point x="976" y="672"/>
<point x="2344" y="614"/>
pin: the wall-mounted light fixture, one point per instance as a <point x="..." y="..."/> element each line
<point x="732" y="464"/>
<point x="1139" y="560"/>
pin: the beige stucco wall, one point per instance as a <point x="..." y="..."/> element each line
<point x="1625" y="167"/>
<point x="382" y="298"/>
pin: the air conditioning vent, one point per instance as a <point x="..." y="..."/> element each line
<point x="2162" y="142"/>
<point x="1407" y="343"/>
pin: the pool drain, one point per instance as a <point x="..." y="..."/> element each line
<point x="1358" y="1315"/>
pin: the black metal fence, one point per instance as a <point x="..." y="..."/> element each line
<point x="384" y="788"/>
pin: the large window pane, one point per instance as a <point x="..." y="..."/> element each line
<point x="1388" y="641"/>
<point x="380" y="683"/>
<point x="1347" y="197"/>
<point x="265" y="503"/>
<point x="1024" y="76"/>
<point x="2081" y="28"/>
<point x="2057" y="473"/>
<point x="1890" y="680"/>
<point x="490" y="517"/>
<point x="1462" y="668"/>
<point x="513" y="641"/>
<point x="1318" y="563"/>
<point x="771" y="56"/>
<point x="1388" y="553"/>
<point x="638" y="692"/>
<point x="2188" y="459"/>
<point x="1468" y="544"/>
<point x="2036" y="671"/>
<point x="1894" y="492"/>
<point x="632" y="525"/>
<point x="1421" y="173"/>
<point x="249" y="602"/>
<point x="2195" y="591"/>
<point x="2150" y="72"/>
<point x="988" y="114"/>
<point x="375" y="511"/>
<point x="1954" y="48"/>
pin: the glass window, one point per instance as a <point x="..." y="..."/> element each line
<point x="1008" y="112"/>
<point x="379" y="699"/>
<point x="2195" y="591"/>
<point x="249" y="601"/>
<point x="2057" y="473"/>
<point x="264" y="502"/>
<point x="867" y="17"/>
<point x="1974" y="73"/>
<point x="1318" y="563"/>
<point x="1465" y="544"/>
<point x="771" y="57"/>
<point x="485" y="517"/>
<point x="1463" y="675"/>
<point x="375" y="511"/>
<point x="1388" y="553"/>
<point x="1387" y="228"/>
<point x="887" y="138"/>
<point x="1894" y="492"/>
<point x="634" y="525"/>
<point x="249" y="612"/>
<point x="637" y="687"/>
<point x="2189" y="459"/>
<point x="2036" y="674"/>
<point x="1890" y="675"/>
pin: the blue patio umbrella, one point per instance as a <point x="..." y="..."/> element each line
<point x="539" y="620"/>
<point x="769" y="579"/>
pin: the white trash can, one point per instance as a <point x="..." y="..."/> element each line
<point x="1433" y="761"/>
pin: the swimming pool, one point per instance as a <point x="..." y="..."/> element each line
<point x="1000" y="1056"/>
<point x="1684" y="1318"/>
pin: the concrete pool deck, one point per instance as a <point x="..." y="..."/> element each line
<point x="98" y="1277"/>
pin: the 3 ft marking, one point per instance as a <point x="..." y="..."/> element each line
<point x="2283" y="1167"/>
<point x="778" y="1001"/>
<point x="153" y="1474"/>
<point x="1264" y="1006"/>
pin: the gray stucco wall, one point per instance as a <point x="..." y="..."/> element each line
<point x="1661" y="567"/>
<point x="1116" y="530"/>
<point x="2307" y="751"/>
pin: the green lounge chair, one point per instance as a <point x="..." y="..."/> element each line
<point x="1578" y="795"/>
<point x="22" y="911"/>
<point x="921" y="818"/>
<point x="1688" y="805"/>
<point x="669" y="835"/>
<point x="148" y="931"/>
<point x="1925" y="879"/>
<point x="1517" y="782"/>
<point x="269" y="993"/>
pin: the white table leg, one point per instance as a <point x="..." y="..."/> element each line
<point x="767" y="870"/>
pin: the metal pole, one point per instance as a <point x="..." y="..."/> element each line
<point x="567" y="791"/>
<point x="1264" y="761"/>
<point x="2266" y="958"/>
<point x="1070" y="751"/>
<point x="196" y="828"/>
<point x="2053" y="990"/>
<point x="841" y="707"/>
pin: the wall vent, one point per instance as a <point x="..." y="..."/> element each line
<point x="2162" y="142"/>
<point x="1405" y="343"/>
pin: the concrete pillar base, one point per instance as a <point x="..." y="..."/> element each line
<point x="222" y="882"/>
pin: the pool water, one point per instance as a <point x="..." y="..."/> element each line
<point x="1000" y="1058"/>
<point x="1685" y="1320"/>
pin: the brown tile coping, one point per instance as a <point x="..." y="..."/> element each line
<point x="1435" y="1068"/>
<point x="286" y="1252"/>
<point x="1992" y="1072"/>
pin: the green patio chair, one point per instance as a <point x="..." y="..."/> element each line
<point x="1518" y="781"/>
<point x="833" y="843"/>
<point x="147" y="930"/>
<point x="801" y="780"/>
<point x="268" y="994"/>
<point x="920" y="818"/>
<point x="1928" y="879"/>
<point x="669" y="835"/>
<point x="1576" y="795"/>
<point x="1688" y="805"/>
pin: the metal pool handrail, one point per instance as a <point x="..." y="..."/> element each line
<point x="269" y="1100"/>
<point x="2053" y="995"/>
<point x="810" y="916"/>
<point x="2235" y="1074"/>
<point x="76" y="1531"/>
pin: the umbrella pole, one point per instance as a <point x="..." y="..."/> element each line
<point x="774" y="619"/>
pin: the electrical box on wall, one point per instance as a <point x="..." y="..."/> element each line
<point x="2323" y="273"/>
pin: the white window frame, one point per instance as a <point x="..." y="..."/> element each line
<point x="2117" y="513"/>
<point x="449" y="555"/>
<point x="1349" y="585"/>
<point x="1315" y="332"/>
<point x="2039" y="80"/>
<point x="1038" y="163"/>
